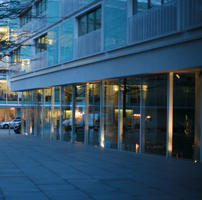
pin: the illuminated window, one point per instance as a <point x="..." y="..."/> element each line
<point x="41" y="7"/>
<point x="26" y="17"/>
<point x="41" y="43"/>
<point x="90" y="21"/>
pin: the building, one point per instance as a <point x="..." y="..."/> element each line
<point x="10" y="105"/>
<point x="122" y="74"/>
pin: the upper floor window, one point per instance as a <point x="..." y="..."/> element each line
<point x="26" y="17"/>
<point x="15" y="56"/>
<point x="41" y="6"/>
<point x="90" y="21"/>
<point x="41" y="43"/>
<point x="141" y="5"/>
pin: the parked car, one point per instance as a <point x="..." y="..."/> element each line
<point x="10" y="124"/>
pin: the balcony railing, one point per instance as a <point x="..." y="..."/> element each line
<point x="191" y="14"/>
<point x="152" y="23"/>
<point x="88" y="44"/>
<point x="166" y="19"/>
<point x="39" y="61"/>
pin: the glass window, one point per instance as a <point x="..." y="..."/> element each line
<point x="47" y="114"/>
<point x="26" y="17"/>
<point x="41" y="44"/>
<point x="130" y="107"/>
<point x="98" y="18"/>
<point x="67" y="113"/>
<point x="83" y="25"/>
<point x="89" y="22"/>
<point x="94" y="114"/>
<point x="139" y="6"/>
<point x="183" y="115"/>
<point x="41" y="6"/>
<point x="110" y="113"/>
<point x="56" y="113"/>
<point x="80" y="113"/>
<point x="153" y="113"/>
<point x="156" y="3"/>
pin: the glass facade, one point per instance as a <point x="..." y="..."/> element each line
<point x="115" y="13"/>
<point x="66" y="111"/>
<point x="110" y="113"/>
<point x="93" y="113"/>
<point x="128" y="113"/>
<point x="184" y="113"/>
<point x="67" y="41"/>
<point x="80" y="113"/>
<point x="53" y="46"/>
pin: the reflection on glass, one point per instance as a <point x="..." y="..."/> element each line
<point x="183" y="123"/>
<point x="153" y="110"/>
<point x="139" y="6"/>
<point x="80" y="103"/>
<point x="56" y="113"/>
<point x="83" y="25"/>
<point x="90" y="22"/>
<point x="130" y="108"/>
<point x="38" y="103"/>
<point x="94" y="114"/>
<point x="67" y="113"/>
<point x="110" y="113"/>
<point x="156" y="3"/>
<point x="47" y="113"/>
<point x="98" y="18"/>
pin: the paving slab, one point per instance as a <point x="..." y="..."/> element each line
<point x="31" y="168"/>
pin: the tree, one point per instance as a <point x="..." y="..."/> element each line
<point x="9" y="11"/>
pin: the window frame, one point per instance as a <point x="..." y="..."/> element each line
<point x="39" y="45"/>
<point x="86" y="15"/>
<point x="26" y="17"/>
<point x="149" y="5"/>
<point x="41" y="6"/>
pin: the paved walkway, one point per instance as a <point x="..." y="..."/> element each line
<point x="32" y="169"/>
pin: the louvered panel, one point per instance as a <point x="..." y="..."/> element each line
<point x="152" y="23"/>
<point x="88" y="44"/>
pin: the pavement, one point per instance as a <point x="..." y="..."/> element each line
<point x="35" y="169"/>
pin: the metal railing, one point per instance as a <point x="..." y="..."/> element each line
<point x="88" y="44"/>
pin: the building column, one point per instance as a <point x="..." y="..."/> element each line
<point x="169" y="136"/>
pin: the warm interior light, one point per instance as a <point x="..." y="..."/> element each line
<point x="137" y="115"/>
<point x="137" y="148"/>
<point x="178" y="76"/>
<point x="148" y="117"/>
<point x="116" y="88"/>
<point x="78" y="114"/>
<point x="102" y="141"/>
<point x="144" y="87"/>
